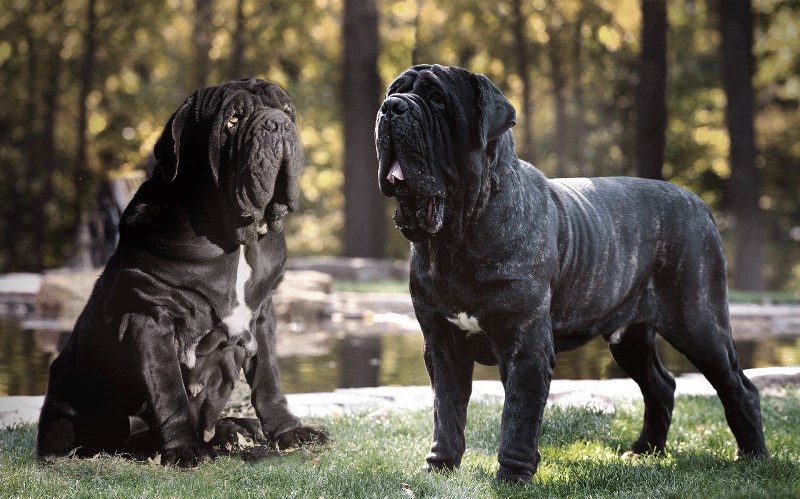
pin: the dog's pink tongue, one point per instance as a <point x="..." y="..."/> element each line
<point x="395" y="173"/>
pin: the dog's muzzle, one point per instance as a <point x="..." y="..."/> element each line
<point x="420" y="207"/>
<point x="414" y="211"/>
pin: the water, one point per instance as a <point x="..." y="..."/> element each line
<point x="322" y="361"/>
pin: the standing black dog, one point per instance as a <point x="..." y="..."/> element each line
<point x="186" y="300"/>
<point x="509" y="267"/>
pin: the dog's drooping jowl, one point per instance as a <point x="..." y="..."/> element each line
<point x="185" y="302"/>
<point x="509" y="268"/>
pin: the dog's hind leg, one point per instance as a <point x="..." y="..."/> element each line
<point x="58" y="420"/>
<point x="71" y="422"/>
<point x="57" y="434"/>
<point x="710" y="348"/>
<point x="635" y="352"/>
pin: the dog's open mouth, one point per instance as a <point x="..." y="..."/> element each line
<point x="273" y="218"/>
<point x="426" y="213"/>
<point x="413" y="210"/>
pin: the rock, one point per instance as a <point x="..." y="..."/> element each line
<point x="17" y="292"/>
<point x="63" y="294"/>
<point x="358" y="305"/>
<point x="353" y="269"/>
<point x="303" y="296"/>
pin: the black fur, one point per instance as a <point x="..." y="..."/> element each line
<point x="156" y="337"/>
<point x="538" y="266"/>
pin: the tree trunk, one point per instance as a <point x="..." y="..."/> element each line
<point x="83" y="174"/>
<point x="201" y="38"/>
<point x="365" y="213"/>
<point x="238" y="43"/>
<point x="559" y="104"/>
<point x="415" y="51"/>
<point x="48" y="153"/>
<point x="578" y="121"/>
<point x="525" y="146"/>
<point x="19" y="226"/>
<point x="736" y="25"/>
<point x="651" y="98"/>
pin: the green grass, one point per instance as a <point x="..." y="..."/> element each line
<point x="759" y="297"/>
<point x="381" y="286"/>
<point x="380" y="457"/>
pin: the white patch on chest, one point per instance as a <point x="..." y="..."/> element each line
<point x="466" y="323"/>
<point x="239" y="320"/>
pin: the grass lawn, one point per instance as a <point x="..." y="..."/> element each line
<point x="379" y="455"/>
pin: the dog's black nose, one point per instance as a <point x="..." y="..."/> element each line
<point x="395" y="106"/>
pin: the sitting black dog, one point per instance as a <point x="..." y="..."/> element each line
<point x="509" y="267"/>
<point x="201" y="250"/>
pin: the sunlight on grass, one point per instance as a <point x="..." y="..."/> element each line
<point x="380" y="455"/>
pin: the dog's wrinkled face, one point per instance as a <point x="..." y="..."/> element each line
<point x="431" y="136"/>
<point x="237" y="145"/>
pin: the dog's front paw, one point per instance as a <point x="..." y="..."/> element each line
<point x="188" y="456"/>
<point x="301" y="436"/>
<point x="228" y="429"/>
<point x="513" y="476"/>
<point x="438" y="467"/>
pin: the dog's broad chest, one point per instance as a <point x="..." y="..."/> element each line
<point x="250" y="282"/>
<point x="240" y="314"/>
<point x="456" y="299"/>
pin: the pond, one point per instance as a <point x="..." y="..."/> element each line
<point x="321" y="360"/>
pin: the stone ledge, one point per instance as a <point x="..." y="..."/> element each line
<point x="599" y="394"/>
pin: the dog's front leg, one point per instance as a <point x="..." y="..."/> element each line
<point x="450" y="372"/>
<point x="167" y="411"/>
<point x="263" y="376"/>
<point x="526" y="363"/>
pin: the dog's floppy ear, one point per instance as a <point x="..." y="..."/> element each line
<point x="496" y="114"/>
<point x="167" y="149"/>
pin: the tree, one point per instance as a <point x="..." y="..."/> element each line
<point x="237" y="51"/>
<point x="201" y="37"/>
<point x="736" y="25"/>
<point x="521" y="45"/>
<point x="651" y="96"/>
<point x="579" y="125"/>
<point x="559" y="84"/>
<point x="83" y="173"/>
<point x="365" y="214"/>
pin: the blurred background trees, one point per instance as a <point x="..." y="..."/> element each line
<point x="87" y="86"/>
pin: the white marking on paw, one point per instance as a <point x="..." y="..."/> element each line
<point x="239" y="320"/>
<point x="466" y="323"/>
<point x="195" y="389"/>
<point x="209" y="434"/>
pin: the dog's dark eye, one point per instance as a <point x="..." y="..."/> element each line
<point x="288" y="109"/>
<point x="437" y="99"/>
<point x="232" y="121"/>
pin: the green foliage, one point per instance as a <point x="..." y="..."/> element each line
<point x="379" y="455"/>
<point x="145" y="62"/>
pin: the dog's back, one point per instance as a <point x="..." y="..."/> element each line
<point x="623" y="242"/>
